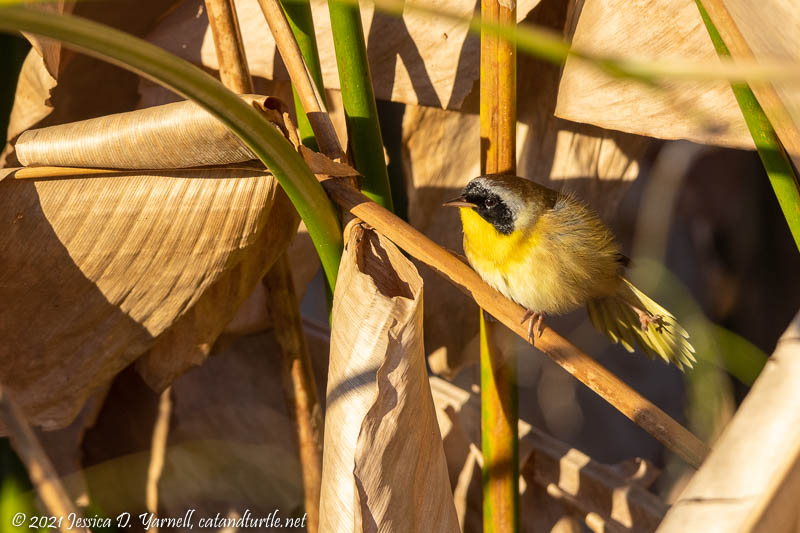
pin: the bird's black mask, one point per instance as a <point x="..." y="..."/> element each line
<point x="490" y="207"/>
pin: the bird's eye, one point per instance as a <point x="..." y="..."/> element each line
<point x="490" y="202"/>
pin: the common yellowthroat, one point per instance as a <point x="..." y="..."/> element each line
<point x="551" y="254"/>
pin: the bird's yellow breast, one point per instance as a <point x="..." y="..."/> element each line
<point x="541" y="267"/>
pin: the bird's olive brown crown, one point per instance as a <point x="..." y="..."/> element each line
<point x="507" y="201"/>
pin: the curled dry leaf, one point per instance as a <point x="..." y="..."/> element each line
<point x="441" y="154"/>
<point x="384" y="465"/>
<point x="704" y="112"/>
<point x="170" y="136"/>
<point x="415" y="59"/>
<point x="37" y="79"/>
<point x="96" y="267"/>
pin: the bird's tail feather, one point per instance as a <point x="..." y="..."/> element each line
<point x="664" y="338"/>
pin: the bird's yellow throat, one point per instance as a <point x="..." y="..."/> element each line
<point x="484" y="244"/>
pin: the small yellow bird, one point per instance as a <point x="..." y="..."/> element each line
<point x="551" y="254"/>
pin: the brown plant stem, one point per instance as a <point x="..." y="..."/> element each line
<point x="298" y="378"/>
<point x="158" y="452"/>
<point x="233" y="70"/>
<point x="298" y="381"/>
<point x="499" y="391"/>
<point x="40" y="470"/>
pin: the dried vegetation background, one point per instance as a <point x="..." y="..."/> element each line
<point x="101" y="314"/>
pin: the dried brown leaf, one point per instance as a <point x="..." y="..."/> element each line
<point x="31" y="101"/>
<point x="704" y="112"/>
<point x="321" y="164"/>
<point x="95" y="268"/>
<point x="383" y="466"/>
<point x="188" y="342"/>
<point x="49" y="49"/>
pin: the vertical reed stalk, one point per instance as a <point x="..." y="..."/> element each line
<point x="776" y="162"/>
<point x="298" y="377"/>
<point x="358" y="98"/>
<point x="499" y="402"/>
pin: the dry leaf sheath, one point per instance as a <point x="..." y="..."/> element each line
<point x="380" y="422"/>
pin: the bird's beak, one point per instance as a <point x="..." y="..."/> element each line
<point x="459" y="202"/>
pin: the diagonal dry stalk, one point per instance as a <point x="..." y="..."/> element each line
<point x="298" y="378"/>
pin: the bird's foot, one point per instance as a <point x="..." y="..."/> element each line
<point x="536" y="319"/>
<point x="645" y="319"/>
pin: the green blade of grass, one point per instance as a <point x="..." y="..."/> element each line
<point x="358" y="98"/>
<point x="774" y="158"/>
<point x="152" y="62"/>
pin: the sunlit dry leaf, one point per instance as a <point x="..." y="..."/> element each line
<point x="442" y="153"/>
<point x="415" y="59"/>
<point x="252" y="315"/>
<point x="704" y="112"/>
<point x="131" y="140"/>
<point x="116" y="261"/>
<point x="383" y="466"/>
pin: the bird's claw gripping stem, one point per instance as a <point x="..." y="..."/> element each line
<point x="536" y="319"/>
